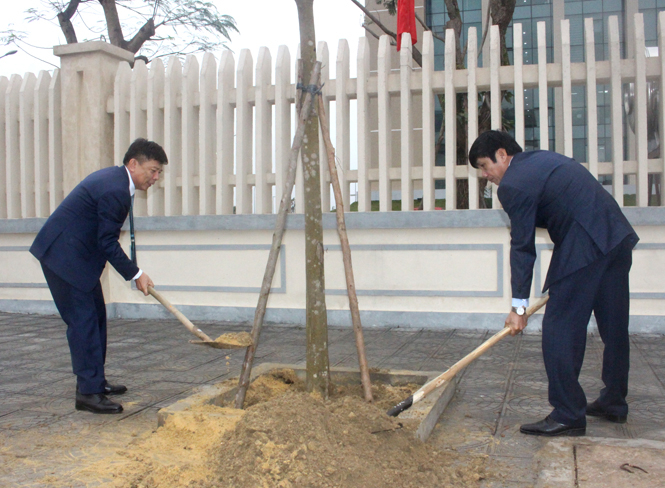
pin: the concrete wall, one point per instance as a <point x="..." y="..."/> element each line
<point x="412" y="269"/>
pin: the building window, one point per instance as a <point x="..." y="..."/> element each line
<point x="600" y="11"/>
<point x="650" y="9"/>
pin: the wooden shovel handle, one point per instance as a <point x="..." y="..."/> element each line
<point x="473" y="355"/>
<point x="185" y="321"/>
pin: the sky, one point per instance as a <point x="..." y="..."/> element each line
<point x="275" y="24"/>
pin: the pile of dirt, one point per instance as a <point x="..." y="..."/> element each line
<point x="285" y="438"/>
<point x="271" y="385"/>
<point x="299" y="440"/>
<point x="279" y="381"/>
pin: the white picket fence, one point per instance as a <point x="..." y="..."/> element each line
<point x="227" y="127"/>
<point x="30" y="145"/>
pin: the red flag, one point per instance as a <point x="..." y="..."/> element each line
<point x="406" y="21"/>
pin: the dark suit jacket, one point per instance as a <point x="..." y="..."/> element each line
<point x="548" y="190"/>
<point x="82" y="234"/>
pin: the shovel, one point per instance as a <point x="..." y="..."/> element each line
<point x="225" y="341"/>
<point x="427" y="388"/>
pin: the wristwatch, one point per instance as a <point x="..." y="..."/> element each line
<point x="521" y="310"/>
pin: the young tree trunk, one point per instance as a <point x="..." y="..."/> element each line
<point x="280" y="227"/>
<point x="318" y="368"/>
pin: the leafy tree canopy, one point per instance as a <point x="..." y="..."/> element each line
<point x="149" y="28"/>
<point x="391" y="5"/>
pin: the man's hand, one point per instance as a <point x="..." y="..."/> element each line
<point x="143" y="282"/>
<point x="516" y="323"/>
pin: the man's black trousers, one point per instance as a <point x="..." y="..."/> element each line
<point x="601" y="288"/>
<point x="85" y="316"/>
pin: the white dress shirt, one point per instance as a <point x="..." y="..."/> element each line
<point x="132" y="190"/>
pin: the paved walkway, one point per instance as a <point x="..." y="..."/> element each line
<point x="502" y="389"/>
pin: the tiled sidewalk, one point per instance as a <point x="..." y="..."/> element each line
<point x="502" y="389"/>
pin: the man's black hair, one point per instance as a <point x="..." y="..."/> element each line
<point x="144" y="150"/>
<point x="488" y="143"/>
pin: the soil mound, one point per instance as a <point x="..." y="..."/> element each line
<point x="285" y="438"/>
<point x="298" y="440"/>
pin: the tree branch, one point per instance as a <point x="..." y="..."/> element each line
<point x="487" y="28"/>
<point x="146" y="31"/>
<point x="113" y="23"/>
<point x="375" y="20"/>
<point x="415" y="53"/>
<point x="64" y="18"/>
<point x="455" y="23"/>
<point x="426" y="28"/>
<point x="370" y="32"/>
<point x="502" y="13"/>
<point x="71" y="9"/>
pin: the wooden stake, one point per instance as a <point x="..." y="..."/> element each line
<point x="346" y="255"/>
<point x="280" y="225"/>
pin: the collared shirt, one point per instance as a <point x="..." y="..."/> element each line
<point x="132" y="191"/>
<point x="132" y="186"/>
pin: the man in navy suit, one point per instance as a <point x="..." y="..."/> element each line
<point x="592" y="256"/>
<point x="73" y="248"/>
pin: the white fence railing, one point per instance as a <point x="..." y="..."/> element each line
<point x="227" y="127"/>
<point x="30" y="145"/>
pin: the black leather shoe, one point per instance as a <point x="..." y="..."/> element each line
<point x="550" y="428"/>
<point x="114" y="389"/>
<point x="96" y="403"/>
<point x="595" y="410"/>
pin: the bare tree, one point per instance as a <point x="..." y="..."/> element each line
<point x="151" y="28"/>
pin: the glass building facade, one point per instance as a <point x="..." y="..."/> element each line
<point x="650" y="9"/>
<point x="528" y="13"/>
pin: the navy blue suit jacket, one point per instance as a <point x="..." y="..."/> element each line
<point x="545" y="189"/>
<point x="82" y="234"/>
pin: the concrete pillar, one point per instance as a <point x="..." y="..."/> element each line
<point x="87" y="73"/>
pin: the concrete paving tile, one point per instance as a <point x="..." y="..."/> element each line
<point x="170" y="361"/>
<point x="530" y="379"/>
<point x="511" y="471"/>
<point x="57" y="405"/>
<point x="339" y="355"/>
<point x="646" y="408"/>
<point x="531" y="406"/>
<point x="512" y="443"/>
<point x="349" y="362"/>
<point x="153" y="393"/>
<point x="592" y="384"/>
<point x="19" y="384"/>
<point x="12" y="402"/>
<point x="496" y="394"/>
<point x="63" y="387"/>
<point x="171" y="400"/>
<point x="86" y="423"/>
<point x="602" y="428"/>
<point x="27" y="419"/>
<point x="486" y="374"/>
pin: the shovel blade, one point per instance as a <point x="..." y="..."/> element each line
<point x="217" y="345"/>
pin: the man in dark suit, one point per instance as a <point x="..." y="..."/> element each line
<point x="592" y="256"/>
<point x="73" y="247"/>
